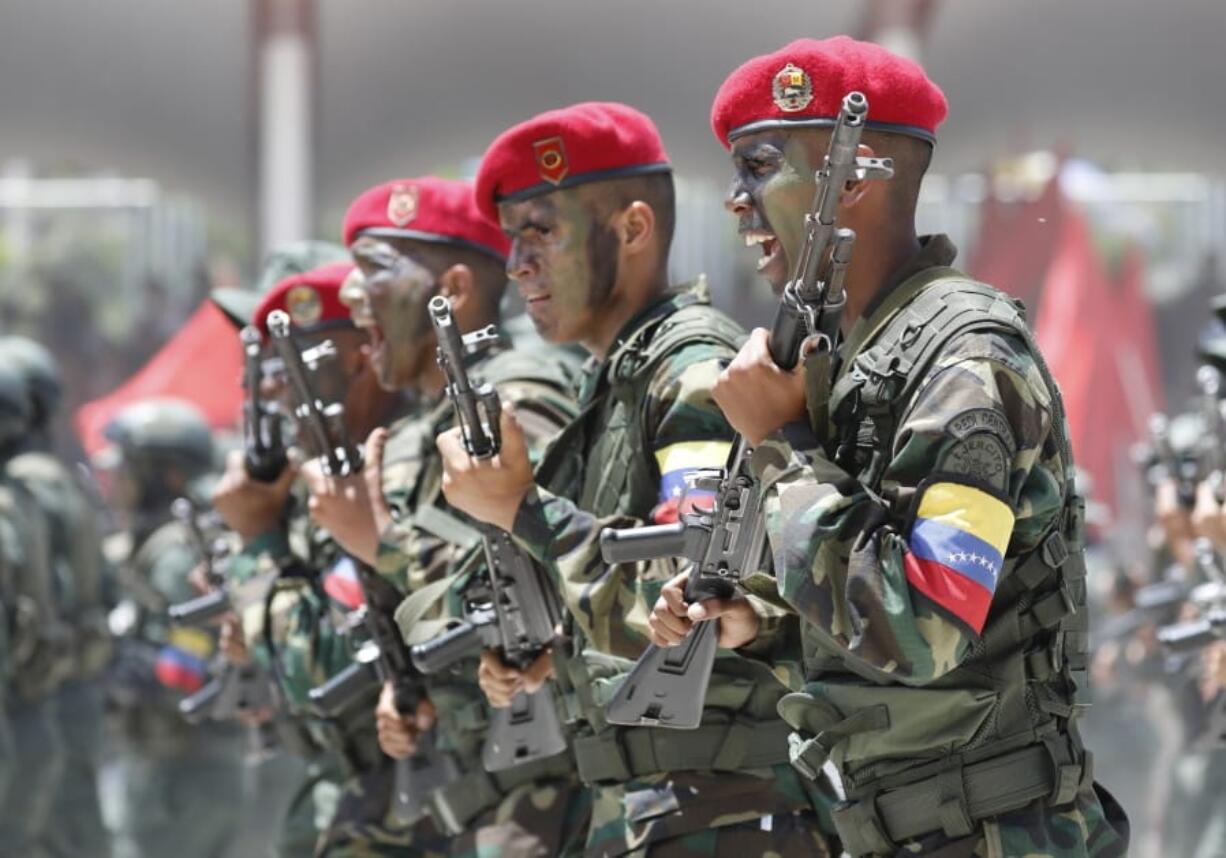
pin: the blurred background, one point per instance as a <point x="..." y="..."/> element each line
<point x="151" y="151"/>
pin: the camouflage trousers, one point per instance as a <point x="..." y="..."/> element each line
<point x="1094" y="826"/>
<point x="78" y="828"/>
<point x="541" y="819"/>
<point x="38" y="764"/>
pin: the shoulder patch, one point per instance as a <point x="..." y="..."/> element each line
<point x="980" y="420"/>
<point x="983" y="457"/>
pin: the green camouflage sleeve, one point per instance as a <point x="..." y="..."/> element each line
<point x="611" y="603"/>
<point x="420" y="547"/>
<point x="973" y="461"/>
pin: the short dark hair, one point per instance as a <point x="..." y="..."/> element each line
<point x="911" y="159"/>
<point x="489" y="274"/>
<point x="655" y="189"/>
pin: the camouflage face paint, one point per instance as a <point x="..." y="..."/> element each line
<point x="564" y="261"/>
<point x="773" y="188"/>
<point x="397" y="289"/>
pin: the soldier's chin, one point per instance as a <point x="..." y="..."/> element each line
<point x="774" y="270"/>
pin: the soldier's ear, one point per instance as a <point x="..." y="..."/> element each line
<point x="637" y="226"/>
<point x="854" y="192"/>
<point x="457" y="284"/>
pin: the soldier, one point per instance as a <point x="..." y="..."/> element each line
<point x="295" y="632"/>
<point x="928" y="532"/>
<point x="37" y="655"/>
<point x="414" y="239"/>
<point x="586" y="195"/>
<point x="182" y="785"/>
<point x="76" y="556"/>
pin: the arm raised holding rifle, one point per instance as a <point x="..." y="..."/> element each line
<point x="726" y="543"/>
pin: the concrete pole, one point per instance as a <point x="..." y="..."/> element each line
<point x="285" y="119"/>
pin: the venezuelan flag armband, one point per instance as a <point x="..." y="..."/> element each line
<point x="956" y="547"/>
<point x="676" y="462"/>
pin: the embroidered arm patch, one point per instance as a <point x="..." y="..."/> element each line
<point x="675" y="462"/>
<point x="957" y="547"/>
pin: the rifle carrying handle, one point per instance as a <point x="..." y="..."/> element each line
<point x="446" y="649"/>
<point x="335" y="695"/>
<point x="200" y="611"/>
<point x="628" y="545"/>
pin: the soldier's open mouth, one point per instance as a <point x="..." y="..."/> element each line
<point x="768" y="243"/>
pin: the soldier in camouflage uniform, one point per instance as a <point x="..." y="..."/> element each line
<point x="586" y="195"/>
<point x="182" y="784"/>
<point x="921" y="511"/>
<point x="414" y="239"/>
<point x="76" y="556"/>
<point x="37" y="656"/>
<point x="297" y="631"/>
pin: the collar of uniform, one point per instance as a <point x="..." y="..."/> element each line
<point x="935" y="250"/>
<point x="636" y="333"/>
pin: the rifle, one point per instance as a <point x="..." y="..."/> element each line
<point x="263" y="443"/>
<point x="667" y="686"/>
<point x="417" y="776"/>
<point x="513" y="608"/>
<point x="232" y="689"/>
<point x="1209" y="381"/>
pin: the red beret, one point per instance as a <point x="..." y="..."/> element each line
<point x="567" y="147"/>
<point x="425" y="209"/>
<point x="311" y="298"/>
<point x="803" y="84"/>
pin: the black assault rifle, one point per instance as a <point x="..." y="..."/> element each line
<point x="263" y="442"/>
<point x="417" y="776"/>
<point x="232" y="689"/>
<point x="667" y="687"/>
<point x="513" y="607"/>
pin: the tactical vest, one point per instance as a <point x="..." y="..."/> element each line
<point x="998" y="732"/>
<point x="602" y="461"/>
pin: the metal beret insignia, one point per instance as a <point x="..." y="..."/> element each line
<point x="402" y="204"/>
<point x="303" y="305"/>
<point x="551" y="160"/>
<point x="792" y="89"/>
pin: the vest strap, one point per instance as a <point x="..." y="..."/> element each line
<point x="476" y="791"/>
<point x="616" y="756"/>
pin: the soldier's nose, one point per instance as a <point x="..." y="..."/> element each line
<point x="738" y="201"/>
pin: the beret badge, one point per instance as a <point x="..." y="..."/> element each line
<point x="402" y="204"/>
<point x="792" y="89"/>
<point x="304" y="305"/>
<point x="551" y="159"/>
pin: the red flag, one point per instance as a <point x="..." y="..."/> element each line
<point x="202" y="364"/>
<point x="1017" y="241"/>
<point x="1074" y="329"/>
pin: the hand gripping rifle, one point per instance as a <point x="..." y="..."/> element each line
<point x="232" y="689"/>
<point x="514" y="608"/>
<point x="668" y="685"/>
<point x="264" y="445"/>
<point x="417" y="776"/>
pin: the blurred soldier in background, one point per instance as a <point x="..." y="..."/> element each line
<point x="77" y="575"/>
<point x="415" y="239"/>
<point x="341" y="809"/>
<point x="39" y="653"/>
<point x="182" y="785"/>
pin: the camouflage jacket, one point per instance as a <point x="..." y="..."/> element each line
<point x="39" y="643"/>
<point x="931" y="542"/>
<point x="647" y="419"/>
<point x="76" y="555"/>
